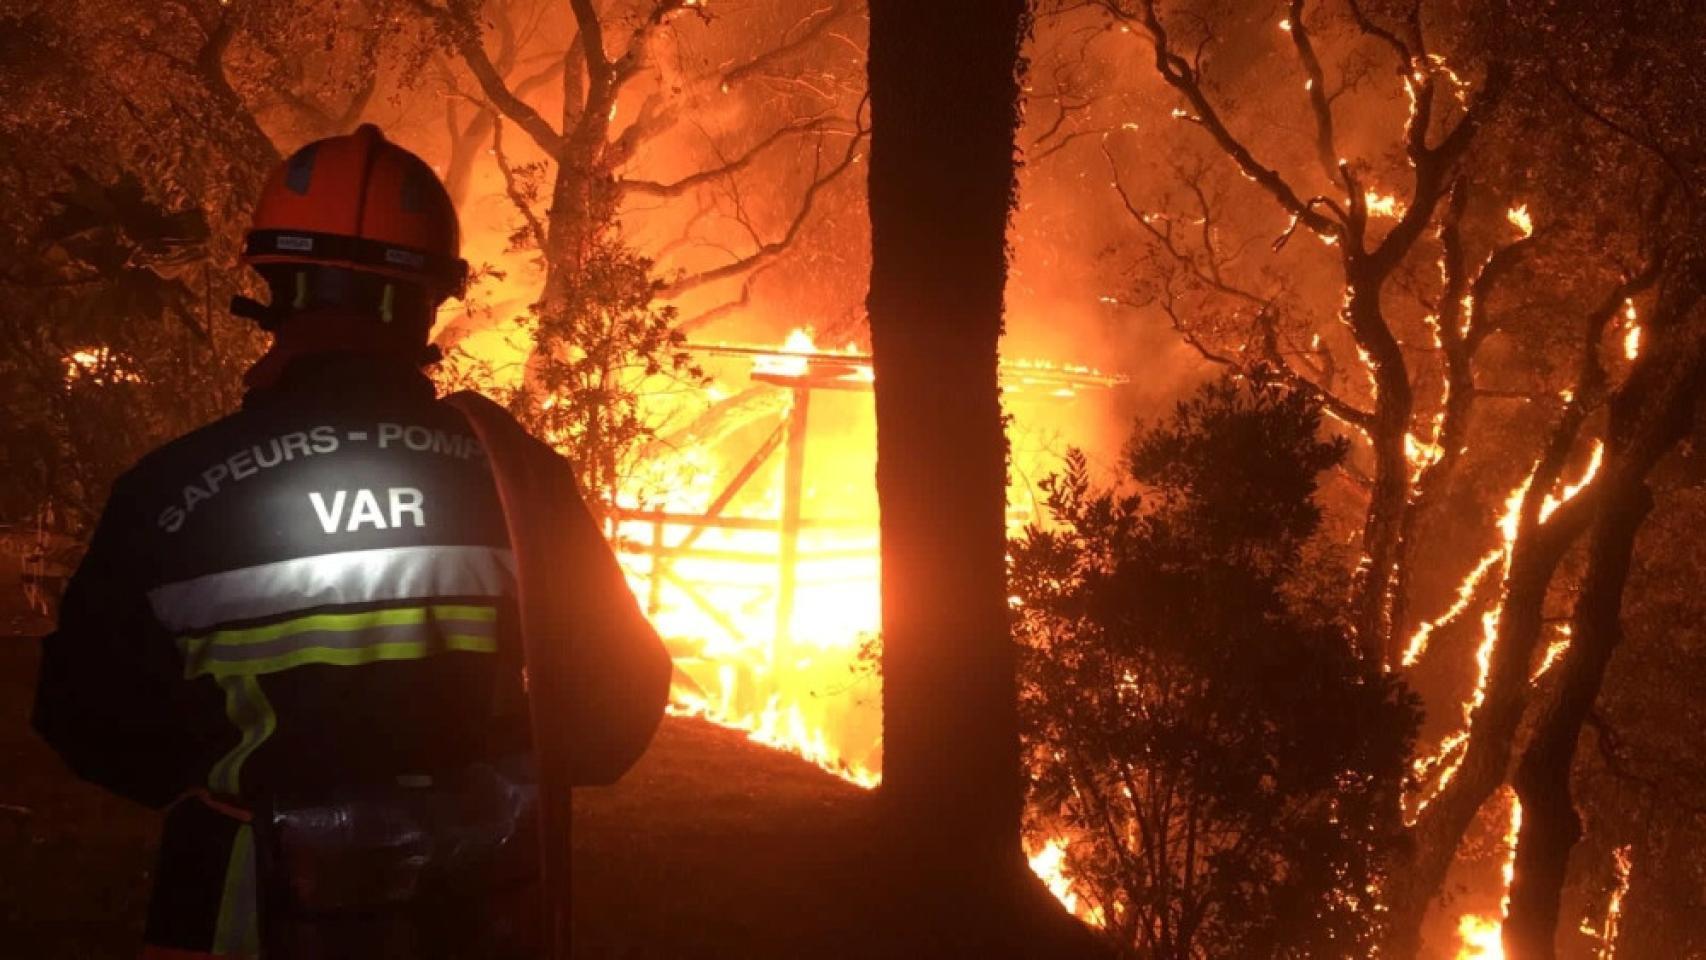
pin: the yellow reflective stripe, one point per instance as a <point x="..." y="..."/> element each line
<point x="247" y="706"/>
<point x="352" y="656"/>
<point x="362" y="620"/>
<point x="342" y="639"/>
<point x="237" y="931"/>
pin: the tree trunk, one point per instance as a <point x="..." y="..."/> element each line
<point x="1393" y="403"/>
<point x="1651" y="412"/>
<point x="1492" y="729"/>
<point x="944" y="106"/>
<point x="1550" y="826"/>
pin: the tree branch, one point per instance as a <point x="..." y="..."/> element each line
<point x="1182" y="76"/>
<point x="768" y="251"/>
<point x="652" y="188"/>
<point x="463" y="31"/>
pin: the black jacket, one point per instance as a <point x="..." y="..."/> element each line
<point x="316" y="589"/>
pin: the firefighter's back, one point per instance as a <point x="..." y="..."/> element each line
<point x="332" y="569"/>
<point x="334" y="560"/>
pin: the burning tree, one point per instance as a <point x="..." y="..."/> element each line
<point x="1427" y="286"/>
<point x="600" y="328"/>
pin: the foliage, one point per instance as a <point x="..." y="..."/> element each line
<point x="112" y="344"/>
<point x="599" y="347"/>
<point x="1225" y="767"/>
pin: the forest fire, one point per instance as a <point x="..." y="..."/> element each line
<point x="1359" y="620"/>
<point x="758" y="556"/>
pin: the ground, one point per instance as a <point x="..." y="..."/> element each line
<point x="712" y="847"/>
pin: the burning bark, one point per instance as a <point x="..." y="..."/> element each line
<point x="1650" y="413"/>
<point x="1367" y="263"/>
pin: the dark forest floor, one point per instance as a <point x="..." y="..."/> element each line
<point x="712" y="847"/>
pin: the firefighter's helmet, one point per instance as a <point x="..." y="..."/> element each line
<point x="357" y="204"/>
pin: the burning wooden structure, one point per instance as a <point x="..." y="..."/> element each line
<point x="771" y="606"/>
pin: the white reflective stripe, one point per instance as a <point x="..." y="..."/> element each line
<point x="330" y="579"/>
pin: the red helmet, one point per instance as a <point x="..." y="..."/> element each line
<point x="362" y="203"/>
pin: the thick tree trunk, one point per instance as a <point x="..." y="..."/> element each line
<point x="1651" y="412"/>
<point x="1493" y="727"/>
<point x="1393" y="404"/>
<point x="944" y="107"/>
<point x="1550" y="826"/>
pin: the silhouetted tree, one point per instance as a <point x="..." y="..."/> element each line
<point x="944" y="103"/>
<point x="1224" y="767"/>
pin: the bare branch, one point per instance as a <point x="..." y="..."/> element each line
<point x="463" y="30"/>
<point x="769" y="251"/>
<point x="1326" y="142"/>
<point x="1273" y="363"/>
<point x="817" y="24"/>
<point x="535" y="227"/>
<point x="1407" y="65"/>
<point x="676" y="188"/>
<point x="1182" y="76"/>
<point x="722" y="310"/>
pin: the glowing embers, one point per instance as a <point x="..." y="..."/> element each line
<point x="1631" y="331"/>
<point x="98" y="365"/>
<point x="1623" y="863"/>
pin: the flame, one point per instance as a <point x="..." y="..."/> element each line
<point x="1049" y="863"/>
<point x="1482" y="936"/>
<point x="1631" y="331"/>
<point x="1554" y="651"/>
<point x="1424" y="453"/>
<point x="1383" y="205"/>
<point x="1447" y="756"/>
<point x="99" y="365"/>
<point x="1521" y="220"/>
<point x="749" y="534"/>
<point x="1622" y="863"/>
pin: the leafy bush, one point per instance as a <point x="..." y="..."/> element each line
<point x="1224" y="767"/>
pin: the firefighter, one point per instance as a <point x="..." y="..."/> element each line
<point x="356" y="640"/>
